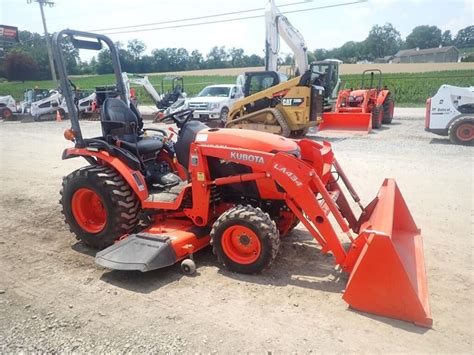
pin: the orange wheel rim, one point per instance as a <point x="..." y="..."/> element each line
<point x="88" y="210"/>
<point x="241" y="244"/>
<point x="465" y="132"/>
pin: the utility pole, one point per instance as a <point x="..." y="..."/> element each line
<point x="43" y="3"/>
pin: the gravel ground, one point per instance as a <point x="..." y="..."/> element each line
<point x="53" y="298"/>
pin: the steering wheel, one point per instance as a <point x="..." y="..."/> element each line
<point x="180" y="117"/>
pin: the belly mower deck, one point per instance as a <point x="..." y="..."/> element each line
<point x="158" y="246"/>
<point x="142" y="252"/>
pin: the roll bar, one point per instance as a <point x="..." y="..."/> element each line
<point x="82" y="40"/>
<point x="372" y="73"/>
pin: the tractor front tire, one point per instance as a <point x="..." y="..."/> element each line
<point x="377" y="117"/>
<point x="245" y="239"/>
<point x="461" y="131"/>
<point x="388" y="109"/>
<point x="98" y="205"/>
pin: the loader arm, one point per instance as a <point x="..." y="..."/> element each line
<point x="304" y="184"/>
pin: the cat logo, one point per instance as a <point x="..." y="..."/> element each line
<point x="292" y="102"/>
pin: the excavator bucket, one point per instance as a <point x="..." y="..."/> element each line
<point x="350" y="122"/>
<point x="388" y="277"/>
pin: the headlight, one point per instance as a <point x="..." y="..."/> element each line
<point x="213" y="105"/>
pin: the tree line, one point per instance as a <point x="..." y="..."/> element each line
<point x="385" y="41"/>
<point x="28" y="60"/>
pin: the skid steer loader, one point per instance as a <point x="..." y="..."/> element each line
<point x="152" y="202"/>
<point x="288" y="108"/>
<point x="451" y="113"/>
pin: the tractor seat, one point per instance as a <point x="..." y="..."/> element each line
<point x="121" y="124"/>
<point x="145" y="145"/>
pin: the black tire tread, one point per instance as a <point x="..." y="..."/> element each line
<point x="125" y="202"/>
<point x="375" y="113"/>
<point x="257" y="218"/>
<point x="387" y="119"/>
<point x="452" y="130"/>
<point x="280" y="118"/>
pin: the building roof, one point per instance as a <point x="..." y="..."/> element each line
<point x="414" y="51"/>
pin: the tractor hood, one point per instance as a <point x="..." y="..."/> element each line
<point x="357" y="93"/>
<point x="247" y="139"/>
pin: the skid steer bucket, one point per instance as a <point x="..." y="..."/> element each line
<point x="388" y="278"/>
<point x="350" y="122"/>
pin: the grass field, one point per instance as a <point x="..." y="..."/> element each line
<point x="408" y="88"/>
<point x="415" y="88"/>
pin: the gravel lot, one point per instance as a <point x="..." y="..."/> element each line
<point x="53" y="298"/>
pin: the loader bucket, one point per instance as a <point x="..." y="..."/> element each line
<point x="388" y="278"/>
<point x="350" y="122"/>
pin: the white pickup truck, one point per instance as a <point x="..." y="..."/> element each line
<point x="214" y="102"/>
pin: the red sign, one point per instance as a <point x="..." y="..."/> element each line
<point x="8" y="33"/>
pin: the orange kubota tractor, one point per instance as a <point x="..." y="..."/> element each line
<point x="361" y="109"/>
<point x="152" y="202"/>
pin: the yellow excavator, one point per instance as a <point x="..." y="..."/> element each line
<point x="271" y="104"/>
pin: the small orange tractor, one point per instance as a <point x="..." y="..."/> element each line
<point x="361" y="109"/>
<point x="152" y="201"/>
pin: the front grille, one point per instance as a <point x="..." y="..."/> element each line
<point x="199" y="105"/>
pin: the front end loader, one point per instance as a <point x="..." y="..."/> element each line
<point x="151" y="201"/>
<point x="362" y="109"/>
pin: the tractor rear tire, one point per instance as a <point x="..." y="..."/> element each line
<point x="388" y="107"/>
<point x="98" y="205"/>
<point x="245" y="239"/>
<point x="377" y="116"/>
<point x="461" y="131"/>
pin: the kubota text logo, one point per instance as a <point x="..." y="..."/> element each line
<point x="251" y="158"/>
<point x="288" y="173"/>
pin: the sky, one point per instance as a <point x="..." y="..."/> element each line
<point x="324" y="28"/>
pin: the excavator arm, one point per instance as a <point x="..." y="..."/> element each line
<point x="276" y="26"/>
<point x="141" y="81"/>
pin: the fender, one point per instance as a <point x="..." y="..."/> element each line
<point x="133" y="177"/>
<point x="383" y="94"/>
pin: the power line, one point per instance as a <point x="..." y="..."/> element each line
<point x="234" y="19"/>
<point x="198" y="18"/>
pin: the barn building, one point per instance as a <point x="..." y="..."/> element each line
<point x="428" y="55"/>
